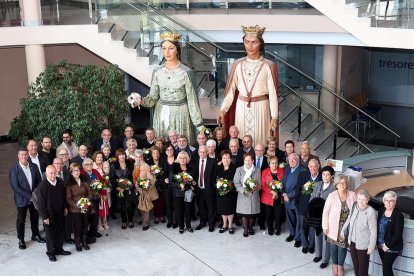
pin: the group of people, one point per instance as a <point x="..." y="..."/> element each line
<point x="186" y="180"/>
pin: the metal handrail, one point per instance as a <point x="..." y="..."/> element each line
<point x="277" y="58"/>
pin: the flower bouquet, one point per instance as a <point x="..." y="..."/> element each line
<point x="185" y="180"/>
<point x="275" y="186"/>
<point x="96" y="186"/>
<point x="250" y="186"/>
<point x="106" y="182"/>
<point x="144" y="184"/>
<point x="156" y="170"/>
<point x="133" y="99"/>
<point x="112" y="160"/>
<point x="282" y="165"/>
<point x="308" y="187"/>
<point x="207" y="132"/>
<point x="83" y="204"/>
<point x="224" y="186"/>
<point x="123" y="183"/>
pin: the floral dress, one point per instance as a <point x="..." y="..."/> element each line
<point x="342" y="219"/>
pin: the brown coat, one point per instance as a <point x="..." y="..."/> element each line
<point x="76" y="192"/>
<point x="143" y="171"/>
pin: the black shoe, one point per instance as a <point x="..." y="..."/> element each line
<point x="231" y="231"/>
<point x="190" y="230"/>
<point x="323" y="265"/>
<point x="305" y="250"/>
<point x="311" y="250"/>
<point x="181" y="231"/>
<point x="131" y="225"/>
<point x="251" y="231"/>
<point x="200" y="226"/>
<point x="97" y="234"/>
<point x="39" y="239"/>
<point x="64" y="253"/>
<point x="79" y="248"/>
<point x="297" y="244"/>
<point x="52" y="258"/>
<point x="22" y="244"/>
<point x="70" y="241"/>
<point x="289" y="239"/>
<point x="124" y="226"/>
<point x="270" y="233"/>
<point x="175" y="225"/>
<point x="277" y="233"/>
<point x="91" y="239"/>
<point x="86" y="246"/>
<point x="169" y="225"/>
<point x="222" y="230"/>
<point x="145" y="228"/>
<point x="245" y="235"/>
<point x="211" y="229"/>
<point x="156" y="221"/>
<point x="317" y="259"/>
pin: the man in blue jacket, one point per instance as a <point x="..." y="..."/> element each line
<point x="291" y="189"/>
<point x="24" y="177"/>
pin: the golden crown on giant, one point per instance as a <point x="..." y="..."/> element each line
<point x="175" y="37"/>
<point x="254" y="30"/>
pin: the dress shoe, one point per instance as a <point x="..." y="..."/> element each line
<point x="175" y="225"/>
<point x="270" y="233"/>
<point x="222" y="230"/>
<point x="97" y="234"/>
<point x="86" y="246"/>
<point x="22" y="244"/>
<point x="64" y="253"/>
<point x="200" y="226"/>
<point x="297" y="244"/>
<point x="305" y="250"/>
<point x="311" y="250"/>
<point x="70" y="241"/>
<point x="124" y="226"/>
<point x="251" y="231"/>
<point x="131" y="225"/>
<point x="211" y="229"/>
<point x="323" y="265"/>
<point x="231" y="231"/>
<point x="290" y="238"/>
<point x="79" y="248"/>
<point x="38" y="238"/>
<point x="52" y="258"/>
<point x="169" y="225"/>
<point x="245" y="235"/>
<point x="181" y="231"/>
<point x="317" y="259"/>
<point x="145" y="228"/>
<point x="277" y="233"/>
<point x="190" y="230"/>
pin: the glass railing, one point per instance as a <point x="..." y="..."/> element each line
<point x="211" y="62"/>
<point x="386" y="13"/>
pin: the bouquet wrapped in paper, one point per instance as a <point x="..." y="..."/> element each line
<point x="123" y="183"/>
<point x="250" y="186"/>
<point x="156" y="170"/>
<point x="224" y="186"/>
<point x="106" y="182"/>
<point x="96" y="186"/>
<point x="308" y="187"/>
<point x="84" y="204"/>
<point x="144" y="183"/>
<point x="185" y="180"/>
<point x="275" y="186"/>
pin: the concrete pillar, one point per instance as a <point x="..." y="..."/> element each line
<point x="31" y="14"/>
<point x="329" y="75"/>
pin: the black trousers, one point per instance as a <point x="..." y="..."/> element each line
<point x="127" y="214"/>
<point x="80" y="225"/>
<point x="207" y="207"/>
<point x="388" y="260"/>
<point x="273" y="215"/>
<point x="114" y="205"/>
<point x="54" y="234"/>
<point x="360" y="259"/>
<point x="94" y="217"/>
<point x="68" y="227"/>
<point x="183" y="210"/>
<point x="169" y="205"/>
<point x="21" y="218"/>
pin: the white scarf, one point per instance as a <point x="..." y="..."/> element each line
<point x="248" y="173"/>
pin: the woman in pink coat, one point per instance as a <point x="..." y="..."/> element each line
<point x="337" y="208"/>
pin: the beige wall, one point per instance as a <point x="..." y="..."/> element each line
<point x="13" y="75"/>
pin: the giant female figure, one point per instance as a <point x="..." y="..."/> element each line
<point x="173" y="93"/>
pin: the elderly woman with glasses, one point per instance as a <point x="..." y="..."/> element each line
<point x="390" y="232"/>
<point x="131" y="149"/>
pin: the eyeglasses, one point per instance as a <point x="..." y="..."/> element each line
<point x="63" y="154"/>
<point x="389" y="200"/>
<point x="169" y="150"/>
<point x="89" y="164"/>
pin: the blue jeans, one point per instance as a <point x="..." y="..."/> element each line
<point x="338" y="254"/>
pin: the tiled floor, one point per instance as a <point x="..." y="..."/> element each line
<point x="158" y="251"/>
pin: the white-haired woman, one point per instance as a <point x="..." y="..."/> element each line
<point x="390" y="232"/>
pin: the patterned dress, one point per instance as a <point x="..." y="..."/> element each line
<point x="175" y="100"/>
<point x="342" y="219"/>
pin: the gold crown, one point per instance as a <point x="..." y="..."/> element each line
<point x="254" y="30"/>
<point x="175" y="37"/>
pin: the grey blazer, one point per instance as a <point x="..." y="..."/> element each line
<point x="247" y="205"/>
<point x="319" y="193"/>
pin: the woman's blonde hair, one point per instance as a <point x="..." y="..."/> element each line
<point x="181" y="153"/>
<point x="339" y="178"/>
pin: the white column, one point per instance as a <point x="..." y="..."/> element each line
<point x="329" y="75"/>
<point x="31" y="14"/>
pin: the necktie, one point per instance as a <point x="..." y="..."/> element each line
<point x="61" y="175"/>
<point x="201" y="182"/>
<point x="258" y="163"/>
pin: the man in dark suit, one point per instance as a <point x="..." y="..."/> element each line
<point x="35" y="158"/>
<point x="248" y="144"/>
<point x="305" y="154"/>
<point x="149" y="139"/>
<point x="24" y="177"/>
<point x="236" y="153"/>
<point x="201" y="141"/>
<point x="204" y="173"/>
<point x="106" y="138"/>
<point x="47" y="151"/>
<point x="128" y="134"/>
<point x="291" y="189"/>
<point x="261" y="162"/>
<point x="82" y="154"/>
<point x="184" y="146"/>
<point x="233" y="134"/>
<point x="51" y="203"/>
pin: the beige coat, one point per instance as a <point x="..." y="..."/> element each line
<point x="143" y="171"/>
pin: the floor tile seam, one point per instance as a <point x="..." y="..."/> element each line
<point x="293" y="268"/>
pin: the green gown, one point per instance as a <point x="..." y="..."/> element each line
<point x="175" y="100"/>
